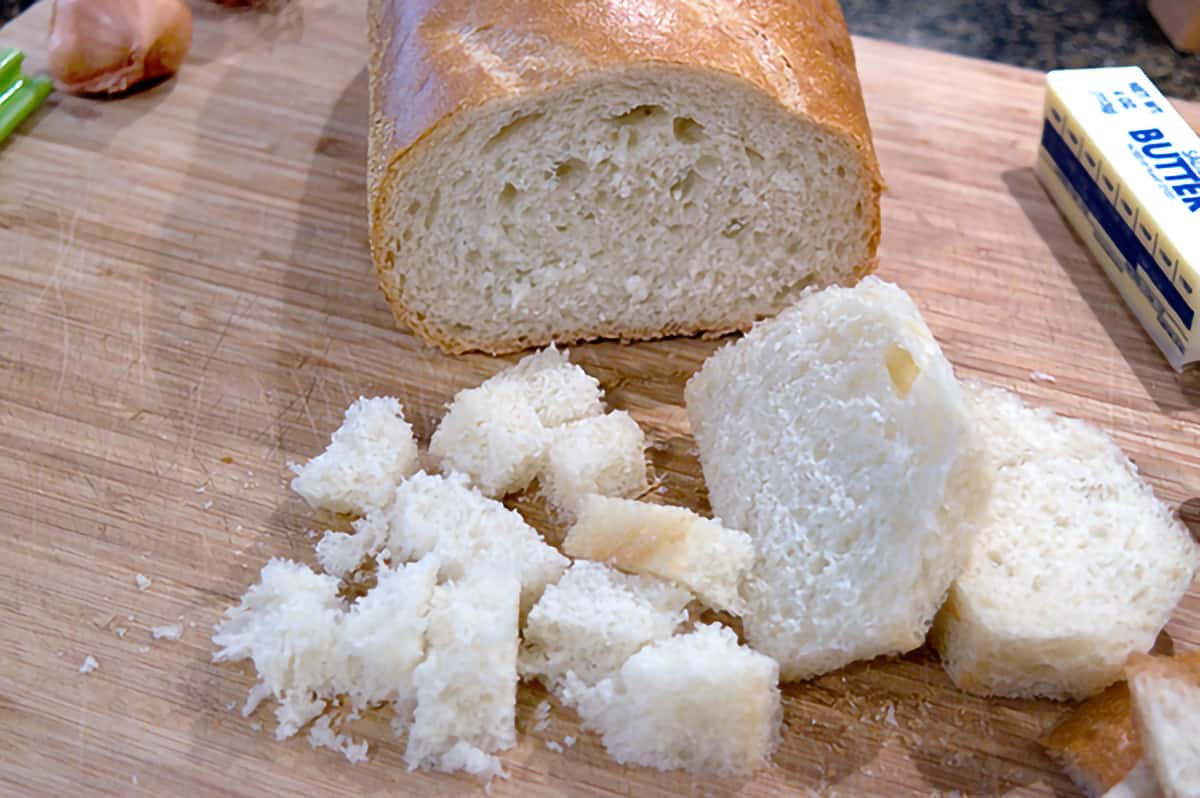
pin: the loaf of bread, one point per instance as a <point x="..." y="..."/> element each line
<point x="1166" y="711"/>
<point x="560" y="171"/>
<point x="838" y="438"/>
<point x="1075" y="566"/>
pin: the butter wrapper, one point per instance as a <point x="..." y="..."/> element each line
<point x="1124" y="168"/>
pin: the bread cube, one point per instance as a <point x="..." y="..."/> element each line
<point x="669" y="542"/>
<point x="603" y="455"/>
<point x="594" y="619"/>
<point x="466" y="689"/>
<point x="369" y="455"/>
<point x="698" y="702"/>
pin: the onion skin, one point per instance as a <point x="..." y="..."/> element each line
<point x="110" y="46"/>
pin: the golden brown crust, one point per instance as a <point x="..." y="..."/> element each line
<point x="1096" y="743"/>
<point x="433" y="59"/>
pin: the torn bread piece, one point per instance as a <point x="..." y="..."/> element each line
<point x="836" y="435"/>
<point x="699" y="702"/>
<point x="289" y="626"/>
<point x="497" y="433"/>
<point x="492" y="435"/>
<point x="669" y="542"/>
<point x="383" y="637"/>
<point x="466" y="689"/>
<point x="1139" y="782"/>
<point x="594" y="619"/>
<point x="446" y="517"/>
<point x="604" y="455"/>
<point x="1096" y="744"/>
<point x="559" y="391"/>
<point x="1166" y="712"/>
<point x="1075" y="565"/>
<point x="368" y="456"/>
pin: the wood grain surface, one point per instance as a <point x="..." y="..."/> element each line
<point x="187" y="304"/>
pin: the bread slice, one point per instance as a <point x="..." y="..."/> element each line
<point x="604" y="455"/>
<point x="497" y="433"/>
<point x="445" y="517"/>
<point x="837" y="437"/>
<point x="368" y="456"/>
<point x="560" y="171"/>
<point x="1166" y="710"/>
<point x="289" y="626"/>
<point x="593" y="620"/>
<point x="466" y="689"/>
<point x="1076" y="564"/>
<point x="669" y="542"/>
<point x="1096" y="744"/>
<point x="699" y="702"/>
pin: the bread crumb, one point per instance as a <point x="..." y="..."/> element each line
<point x="142" y="581"/>
<point x="89" y="664"/>
<point x="121" y="631"/>
<point x="256" y="726"/>
<point x="232" y="705"/>
<point x="553" y="746"/>
<point x="201" y="488"/>
<point x="172" y="631"/>
<point x="541" y="716"/>
<point x="568" y="741"/>
<point x="890" y="718"/>
<point x="207" y="505"/>
<point x="1041" y="376"/>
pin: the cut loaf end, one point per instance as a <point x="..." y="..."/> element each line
<point x="634" y="202"/>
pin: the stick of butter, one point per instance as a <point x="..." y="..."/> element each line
<point x="1124" y="168"/>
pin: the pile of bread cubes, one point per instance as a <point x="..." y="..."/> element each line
<point x="864" y="500"/>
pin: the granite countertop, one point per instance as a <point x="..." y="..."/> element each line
<point x="1039" y="34"/>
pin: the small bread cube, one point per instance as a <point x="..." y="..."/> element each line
<point x="669" y="542"/>
<point x="493" y="435"/>
<point x="369" y="455"/>
<point x="497" y="433"/>
<point x="698" y="701"/>
<point x="594" y="619"/>
<point x="466" y="689"/>
<point x="559" y="391"/>
<point x="605" y="455"/>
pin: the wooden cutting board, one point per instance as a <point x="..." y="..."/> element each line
<point x="187" y="303"/>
